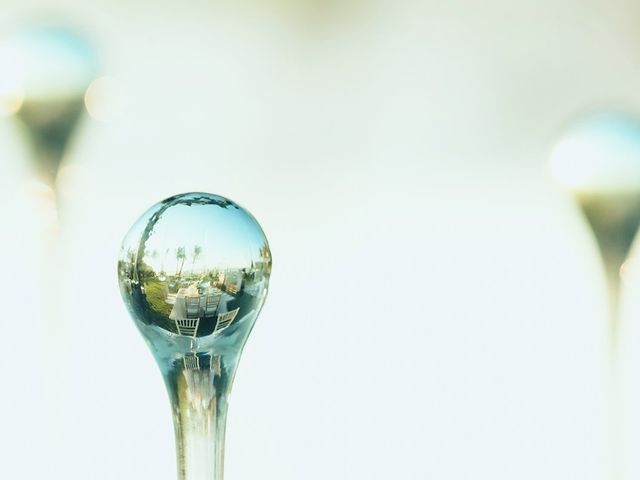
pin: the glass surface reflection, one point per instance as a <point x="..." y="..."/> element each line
<point x="194" y="265"/>
<point x="193" y="272"/>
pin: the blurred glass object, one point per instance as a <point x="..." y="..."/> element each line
<point x="598" y="160"/>
<point x="45" y="72"/>
<point x="193" y="272"/>
<point x="50" y="68"/>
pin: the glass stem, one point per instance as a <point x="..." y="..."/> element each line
<point x="615" y="415"/>
<point x="198" y="391"/>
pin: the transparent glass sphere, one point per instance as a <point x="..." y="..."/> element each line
<point x="194" y="266"/>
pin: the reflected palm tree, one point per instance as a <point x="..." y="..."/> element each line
<point x="197" y="251"/>
<point x="181" y="256"/>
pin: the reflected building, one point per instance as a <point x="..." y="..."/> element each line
<point x="233" y="282"/>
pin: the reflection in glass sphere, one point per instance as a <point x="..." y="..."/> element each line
<point x="193" y="272"/>
<point x="195" y="266"/>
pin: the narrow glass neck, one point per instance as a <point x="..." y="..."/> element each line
<point x="198" y="387"/>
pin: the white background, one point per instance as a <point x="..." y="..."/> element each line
<point x="437" y="308"/>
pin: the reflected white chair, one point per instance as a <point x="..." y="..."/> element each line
<point x="211" y="305"/>
<point x="225" y="319"/>
<point x="187" y="326"/>
<point x="191" y="362"/>
<point x="192" y="306"/>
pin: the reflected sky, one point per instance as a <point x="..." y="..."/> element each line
<point x="228" y="237"/>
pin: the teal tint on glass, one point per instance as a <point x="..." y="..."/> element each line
<point x="193" y="273"/>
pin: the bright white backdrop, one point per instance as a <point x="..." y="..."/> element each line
<point x="436" y="308"/>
